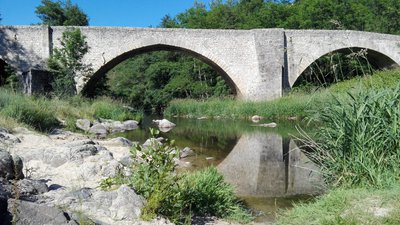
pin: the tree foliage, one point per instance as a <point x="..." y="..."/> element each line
<point x="66" y="62"/>
<point x="61" y="14"/>
<point x="152" y="79"/>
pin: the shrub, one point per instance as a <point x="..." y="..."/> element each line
<point x="178" y="197"/>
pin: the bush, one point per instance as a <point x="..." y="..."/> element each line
<point x="178" y="197"/>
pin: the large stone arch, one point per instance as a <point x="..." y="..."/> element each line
<point x="375" y="58"/>
<point x="219" y="67"/>
<point x="230" y="51"/>
<point x="306" y="46"/>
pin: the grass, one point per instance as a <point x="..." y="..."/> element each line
<point x="358" y="143"/>
<point x="297" y="103"/>
<point x="43" y="114"/>
<point x="347" y="206"/>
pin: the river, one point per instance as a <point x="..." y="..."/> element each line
<point x="267" y="169"/>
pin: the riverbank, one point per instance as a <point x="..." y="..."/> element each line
<point x="297" y="104"/>
<point x="348" y="206"/>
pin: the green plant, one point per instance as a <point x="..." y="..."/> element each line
<point x="205" y="193"/>
<point x="358" y="143"/>
<point x="66" y="62"/>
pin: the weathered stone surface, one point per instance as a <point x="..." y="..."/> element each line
<point x="123" y="141"/>
<point x="6" y="165"/>
<point x="83" y="124"/>
<point x="18" y="166"/>
<point x="7" y="138"/>
<point x="29" y="213"/>
<point x="186" y="152"/>
<point x="122" y="204"/>
<point x="259" y="63"/>
<point x="28" y="187"/>
<point x="130" y="124"/>
<point x="98" y="129"/>
<point x="164" y="123"/>
<point x="256" y="118"/>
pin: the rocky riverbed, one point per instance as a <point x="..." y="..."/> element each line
<point x="54" y="179"/>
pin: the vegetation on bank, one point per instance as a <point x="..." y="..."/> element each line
<point x="44" y="114"/>
<point x="300" y="102"/>
<point x="179" y="197"/>
<point x="347" y="206"/>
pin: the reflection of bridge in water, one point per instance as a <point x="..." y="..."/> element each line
<point x="267" y="165"/>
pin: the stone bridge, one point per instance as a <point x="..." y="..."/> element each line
<point x="258" y="64"/>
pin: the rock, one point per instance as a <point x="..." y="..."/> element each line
<point x="8" y="138"/>
<point x="210" y="158"/>
<point x="6" y="165"/>
<point x="164" y="123"/>
<point x="18" y="166"/>
<point x="130" y="124"/>
<point x="256" y="118"/>
<point x="123" y="141"/>
<point x="109" y="207"/>
<point x="29" y="213"/>
<point x="5" y="217"/>
<point x="98" y="129"/>
<point x="202" y="118"/>
<point x="186" y="152"/>
<point x="152" y="142"/>
<point x="83" y="124"/>
<point x="80" y="143"/>
<point x="272" y="125"/>
<point x="165" y="129"/>
<point x="27" y="188"/>
<point x="116" y="127"/>
<point x="292" y="118"/>
<point x="83" y="151"/>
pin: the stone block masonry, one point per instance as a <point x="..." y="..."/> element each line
<point x="257" y="64"/>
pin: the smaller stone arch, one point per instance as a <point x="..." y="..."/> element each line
<point x="377" y="59"/>
<point x="88" y="88"/>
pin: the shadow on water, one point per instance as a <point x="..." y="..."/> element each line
<point x="267" y="169"/>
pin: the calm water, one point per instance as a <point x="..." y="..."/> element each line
<point x="264" y="165"/>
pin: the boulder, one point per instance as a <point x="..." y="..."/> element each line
<point x="272" y="125"/>
<point x="28" y="189"/>
<point x="130" y="124"/>
<point x="164" y="123"/>
<point x="83" y="124"/>
<point x="6" y="165"/>
<point x="122" y="141"/>
<point x="98" y="129"/>
<point x="18" y="166"/>
<point x="256" y="118"/>
<point x="29" y="213"/>
<point x="109" y="207"/>
<point x="8" y="138"/>
<point x="186" y="152"/>
<point x="116" y="127"/>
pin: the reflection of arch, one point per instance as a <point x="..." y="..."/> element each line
<point x="377" y="59"/>
<point x="89" y="86"/>
<point x="265" y="164"/>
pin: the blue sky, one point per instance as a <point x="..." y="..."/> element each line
<point x="130" y="13"/>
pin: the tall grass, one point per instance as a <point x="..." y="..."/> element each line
<point x="45" y="114"/>
<point x="359" y="142"/>
<point x="298" y="102"/>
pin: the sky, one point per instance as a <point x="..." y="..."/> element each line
<point x="125" y="13"/>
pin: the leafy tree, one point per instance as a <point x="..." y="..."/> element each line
<point x="61" y="14"/>
<point x="66" y="62"/>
